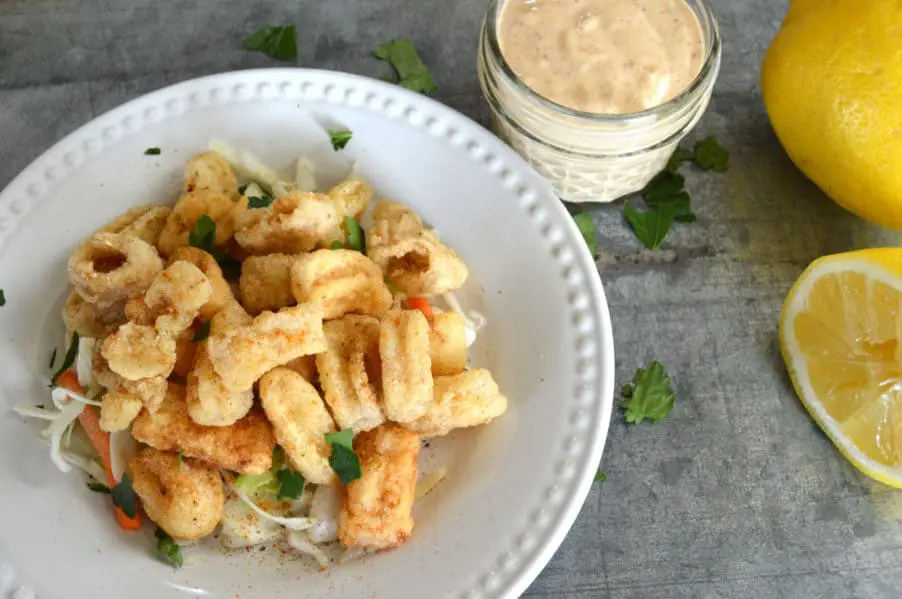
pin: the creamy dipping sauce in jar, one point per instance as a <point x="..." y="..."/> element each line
<point x="602" y="56"/>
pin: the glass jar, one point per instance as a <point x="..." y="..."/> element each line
<point x="591" y="157"/>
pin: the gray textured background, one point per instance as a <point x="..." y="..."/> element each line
<point x="736" y="494"/>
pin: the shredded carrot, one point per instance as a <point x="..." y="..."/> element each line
<point x="422" y="304"/>
<point x="100" y="439"/>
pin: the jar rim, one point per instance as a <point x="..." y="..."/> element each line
<point x="712" y="54"/>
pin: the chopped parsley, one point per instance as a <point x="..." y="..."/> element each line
<point x="203" y="235"/>
<point x="68" y="360"/>
<point x="651" y="226"/>
<point x="343" y="459"/>
<point x="339" y="139"/>
<point x="650" y="395"/>
<point x="291" y="484"/>
<point x="124" y="497"/>
<point x="276" y="41"/>
<point x="203" y="331"/>
<point x="152" y="152"/>
<point x="710" y="156"/>
<point x="356" y="238"/>
<point x="261" y="202"/>
<point x="411" y="71"/>
<point x="337" y="245"/>
<point x="677" y="159"/>
<point x="168" y="549"/>
<point x="2" y="298"/>
<point x="584" y="222"/>
<point x="98" y="488"/>
<point x="600" y="476"/>
<point x="667" y="190"/>
<point x="52" y="359"/>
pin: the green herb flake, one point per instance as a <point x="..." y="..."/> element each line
<point x="337" y="245"/>
<point x="677" y="159"/>
<point x="203" y="235"/>
<point x="168" y="549"/>
<point x="666" y="191"/>
<point x="124" y="497"/>
<point x="52" y="359"/>
<point x="152" y="152"/>
<point x="263" y="202"/>
<point x="68" y="360"/>
<point x="339" y="139"/>
<point x="403" y="57"/>
<point x="279" y="42"/>
<point x="343" y="459"/>
<point x="652" y="396"/>
<point x="291" y="484"/>
<point x="356" y="238"/>
<point x="242" y="188"/>
<point x="600" y="476"/>
<point x="585" y="225"/>
<point x="710" y="156"/>
<point x="651" y="226"/>
<point x="2" y="298"/>
<point x="98" y="488"/>
<point x="203" y="331"/>
<point x="180" y="460"/>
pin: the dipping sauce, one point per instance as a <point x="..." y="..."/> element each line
<point x="602" y="56"/>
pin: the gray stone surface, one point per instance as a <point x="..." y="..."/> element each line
<point x="736" y="494"/>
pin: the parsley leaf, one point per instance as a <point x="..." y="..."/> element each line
<point x="339" y="139"/>
<point x="68" y="360"/>
<point x="600" y="476"/>
<point x="203" y="331"/>
<point x="343" y="459"/>
<point x="98" y="488"/>
<point x="2" y="298"/>
<point x="280" y="42"/>
<point x="263" y="202"/>
<point x="403" y="57"/>
<point x="710" y="156"/>
<point x="677" y="159"/>
<point x="587" y="228"/>
<point x="152" y="152"/>
<point x="168" y="549"/>
<point x="356" y="238"/>
<point x="124" y="497"/>
<point x="203" y="234"/>
<point x="651" y="226"/>
<point x="652" y="396"/>
<point x="52" y="359"/>
<point x="666" y="190"/>
<point x="291" y="484"/>
<point x="337" y="245"/>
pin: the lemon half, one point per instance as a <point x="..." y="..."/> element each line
<point x="840" y="332"/>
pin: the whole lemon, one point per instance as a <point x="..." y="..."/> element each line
<point x="832" y="86"/>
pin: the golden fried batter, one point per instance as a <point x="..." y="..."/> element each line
<point x="467" y="399"/>
<point x="376" y="512"/>
<point x="245" y="447"/>
<point x="210" y="402"/>
<point x="350" y="372"/>
<point x="351" y="197"/>
<point x="265" y="282"/>
<point x="406" y="365"/>
<point x="300" y="422"/>
<point x="209" y="170"/>
<point x="340" y="282"/>
<point x="294" y="223"/>
<point x="448" y="344"/>
<point x="118" y="410"/>
<point x="222" y="291"/>
<point x="184" y="497"/>
<point x="242" y="355"/>
<point x="410" y="256"/>
<point x="221" y="207"/>
<point x="111" y="268"/>
<point x="90" y="321"/>
<point x="137" y="351"/>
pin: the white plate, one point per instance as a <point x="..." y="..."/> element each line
<point x="514" y="487"/>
